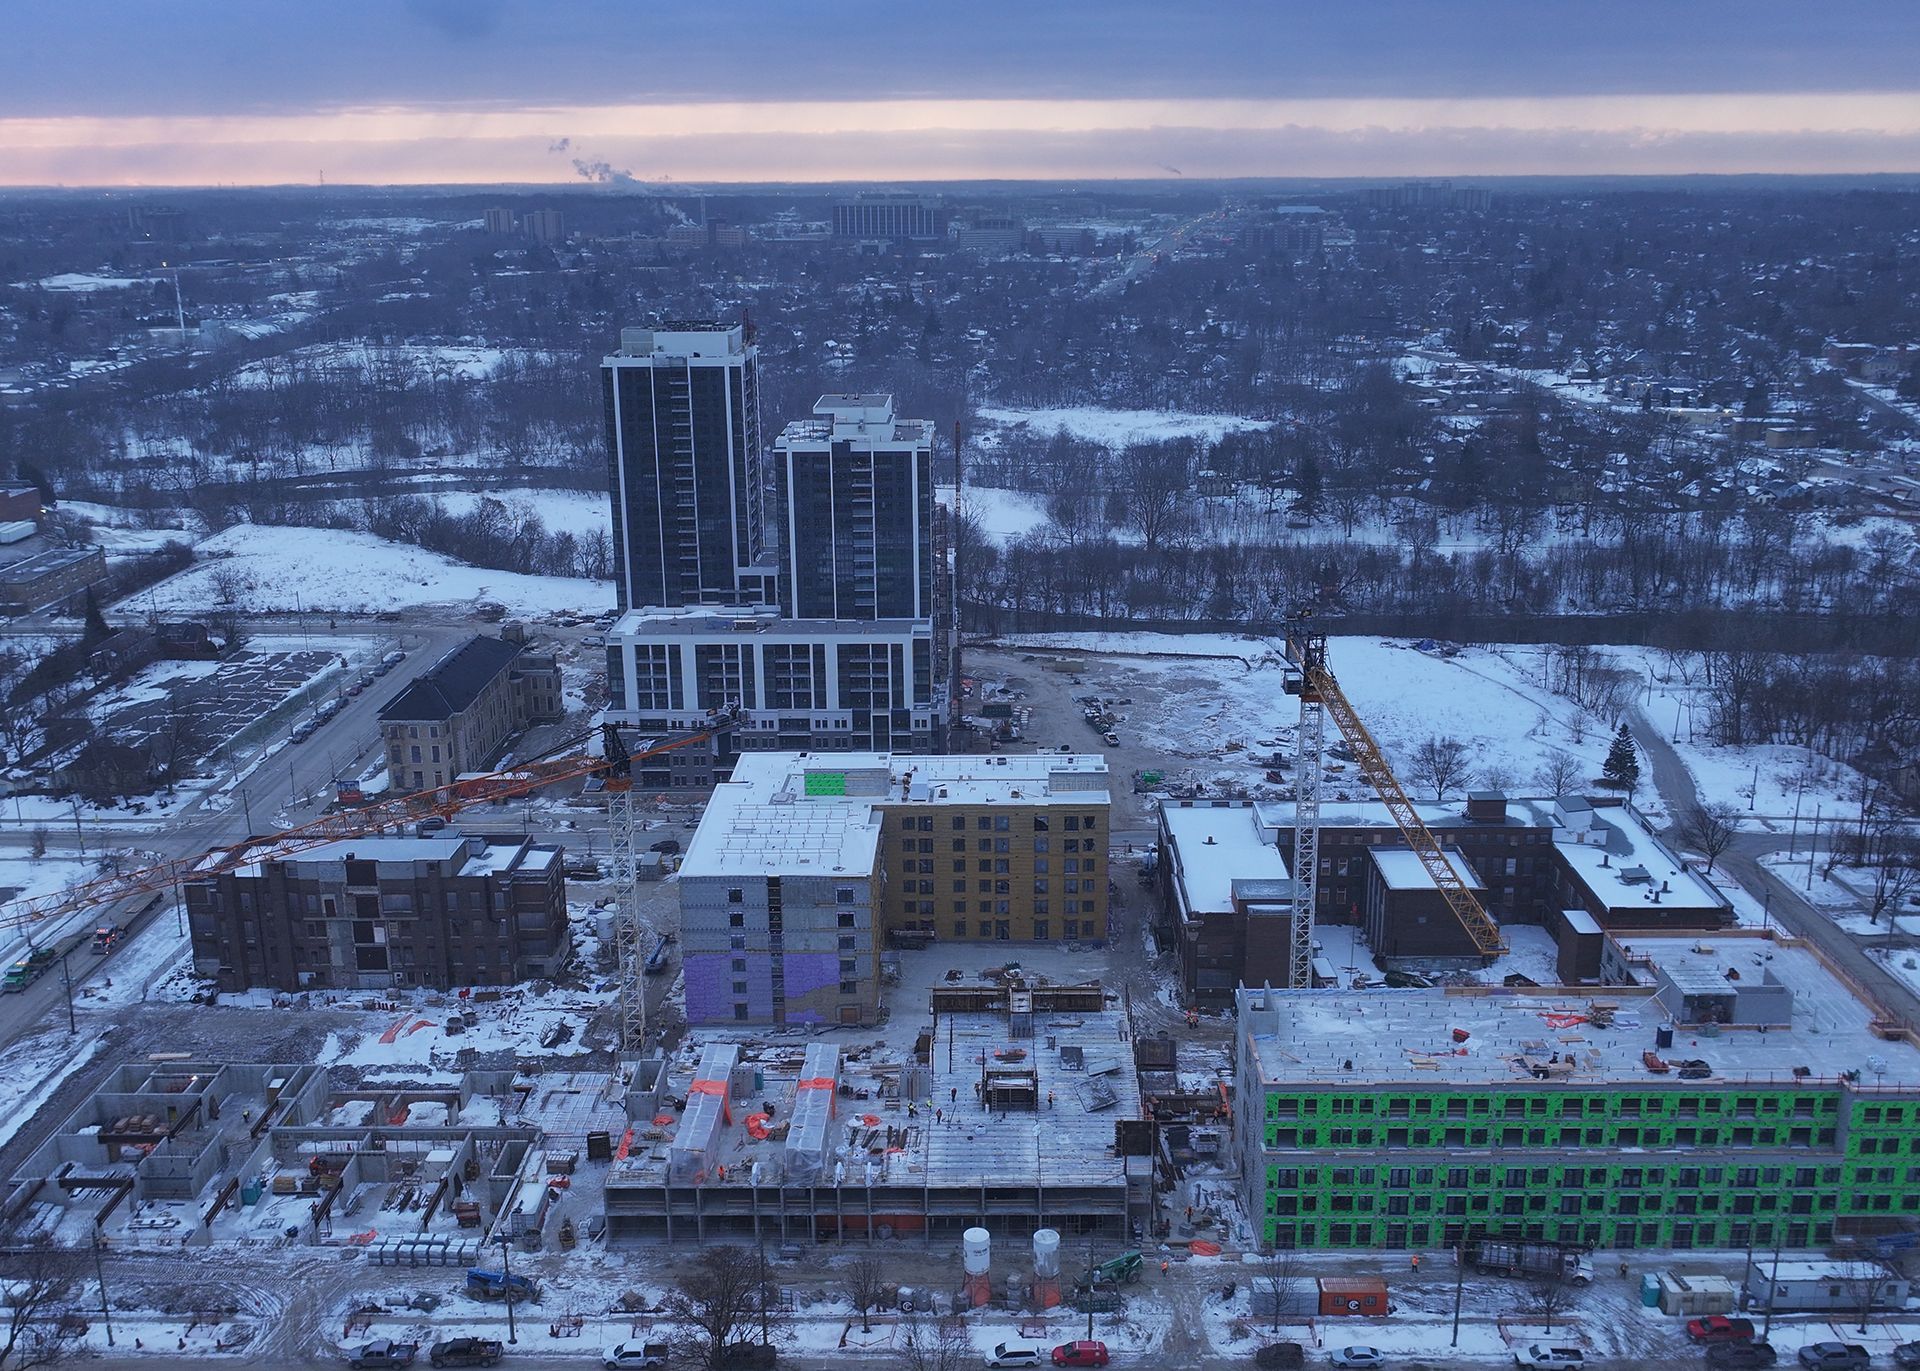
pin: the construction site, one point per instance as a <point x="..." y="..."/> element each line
<point x="1007" y="1107"/>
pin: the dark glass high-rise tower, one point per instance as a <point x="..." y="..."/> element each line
<point x="686" y="467"/>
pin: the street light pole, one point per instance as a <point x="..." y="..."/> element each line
<point x="100" y="1274"/>
<point x="66" y="978"/>
<point x="1459" y="1290"/>
<point x="506" y="1282"/>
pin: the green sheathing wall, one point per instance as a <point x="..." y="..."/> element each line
<point x="1707" y="1168"/>
<point x="1880" y="1177"/>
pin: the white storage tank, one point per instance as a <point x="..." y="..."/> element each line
<point x="976" y="1246"/>
<point x="1046" y="1252"/>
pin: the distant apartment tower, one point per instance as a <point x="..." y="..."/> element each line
<point x="499" y="221"/>
<point x="544" y="225"/>
<point x="686" y="468"/>
<point x="854" y="486"/>
<point x="889" y="217"/>
<point x="374" y="913"/>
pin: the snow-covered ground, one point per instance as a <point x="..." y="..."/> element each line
<point x="1764" y="782"/>
<point x="1004" y="515"/>
<point x="1187" y="708"/>
<point x="469" y="362"/>
<point x="272" y="569"/>
<point x="1114" y="428"/>
<point x="562" y="511"/>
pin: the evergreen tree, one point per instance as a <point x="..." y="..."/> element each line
<point x="1622" y="767"/>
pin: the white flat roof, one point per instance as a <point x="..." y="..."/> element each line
<point x="1045" y="778"/>
<point x="1357" y="1038"/>
<point x="741" y="834"/>
<point x="1402" y="869"/>
<point x="1628" y="868"/>
<point x="1215" y="846"/>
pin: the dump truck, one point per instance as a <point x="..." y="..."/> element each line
<point x="28" y="969"/>
<point x="1532" y="1259"/>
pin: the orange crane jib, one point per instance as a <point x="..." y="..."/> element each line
<point x="365" y="821"/>
<point x="1373" y="764"/>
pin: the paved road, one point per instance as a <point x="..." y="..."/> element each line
<point x="1676" y="786"/>
<point x="307" y="769"/>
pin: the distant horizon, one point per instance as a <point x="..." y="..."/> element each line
<point x="489" y="92"/>
<point x="1066" y="185"/>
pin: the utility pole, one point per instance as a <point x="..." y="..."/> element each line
<point x="66" y="977"/>
<point x="78" y="836"/>
<point x="1778" y="1233"/>
<point x="1813" y="845"/>
<point x="506" y="1282"/>
<point x="100" y="1274"/>
<point x="1459" y="1290"/>
<point x="1092" y="1285"/>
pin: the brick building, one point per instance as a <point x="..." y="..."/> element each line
<point x="804" y="862"/>
<point x="375" y="913"/>
<point x="457" y="716"/>
<point x="46" y="579"/>
<point x="1567" y="864"/>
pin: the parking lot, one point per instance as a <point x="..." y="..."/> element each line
<point x="206" y="712"/>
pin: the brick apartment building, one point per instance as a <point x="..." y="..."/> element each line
<point x="1566" y="864"/>
<point x="49" y="578"/>
<point x="456" y="717"/>
<point x="377" y="913"/>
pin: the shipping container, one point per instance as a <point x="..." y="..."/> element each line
<point x="1356" y="1296"/>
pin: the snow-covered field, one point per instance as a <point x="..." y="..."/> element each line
<point x="1762" y="781"/>
<point x="1208" y="710"/>
<point x="472" y="362"/>
<point x="1004" y="515"/>
<point x="562" y="511"/>
<point x="1114" y="428"/>
<point x="271" y="569"/>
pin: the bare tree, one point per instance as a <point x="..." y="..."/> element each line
<point x="1710" y="828"/>
<point x="1440" y="763"/>
<point x="941" y="1344"/>
<point x="1276" y="1277"/>
<point x="866" y="1281"/>
<point x="1549" y="1297"/>
<point x="1865" y="1280"/>
<point x="40" y="1283"/>
<point x="1559" y="773"/>
<point x="37" y="843"/>
<point x="719" y="1296"/>
<point x="1894" y="857"/>
<point x="1156" y="482"/>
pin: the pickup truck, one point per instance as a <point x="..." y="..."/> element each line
<point x="466" y="1352"/>
<point x="1836" y="1356"/>
<point x="382" y="1352"/>
<point x="1550" y="1357"/>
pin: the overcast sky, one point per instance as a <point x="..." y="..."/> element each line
<point x="422" y="91"/>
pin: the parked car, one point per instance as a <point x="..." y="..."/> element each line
<point x="1720" y="1328"/>
<point x="1016" y="1354"/>
<point x="635" y="1353"/>
<point x="466" y="1352"/>
<point x="1741" y="1356"/>
<point x="303" y="730"/>
<point x="1907" y="1354"/>
<point x="1835" y="1356"/>
<point x="382" y="1352"/>
<point x="1359" y="1356"/>
<point x="1550" y="1357"/>
<point x="666" y="847"/>
<point x="1082" y="1353"/>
